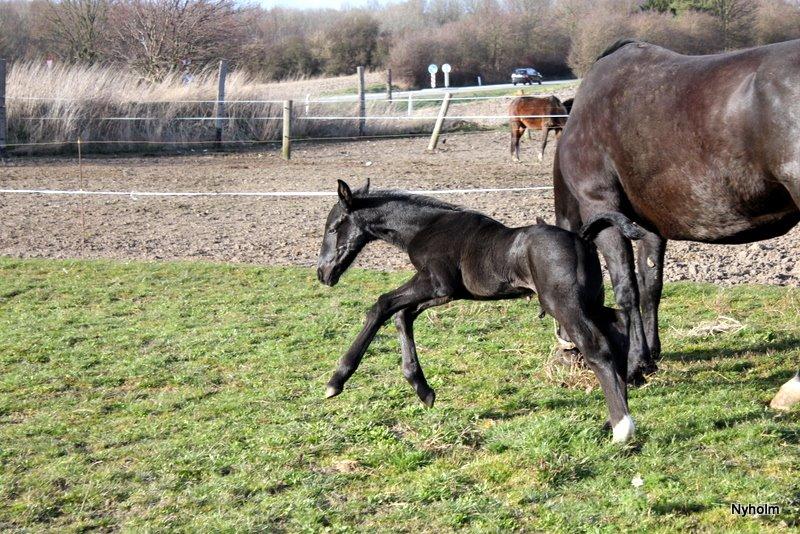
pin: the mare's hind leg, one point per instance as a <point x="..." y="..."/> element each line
<point x="412" y="370"/>
<point x="650" y="272"/>
<point x="618" y="253"/>
<point x="568" y="217"/>
<point x="417" y="290"/>
<point x="789" y="393"/>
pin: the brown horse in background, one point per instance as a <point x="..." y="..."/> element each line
<point x="533" y="112"/>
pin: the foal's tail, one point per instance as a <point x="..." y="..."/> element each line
<point x="601" y="221"/>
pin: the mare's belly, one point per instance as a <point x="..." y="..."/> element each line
<point x="717" y="209"/>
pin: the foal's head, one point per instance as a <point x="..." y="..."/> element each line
<point x="344" y="237"/>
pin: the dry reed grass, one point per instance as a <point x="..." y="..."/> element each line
<point x="66" y="102"/>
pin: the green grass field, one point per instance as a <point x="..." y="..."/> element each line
<point x="189" y="396"/>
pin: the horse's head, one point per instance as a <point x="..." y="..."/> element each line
<point x="344" y="236"/>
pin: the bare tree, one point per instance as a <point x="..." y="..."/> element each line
<point x="75" y="28"/>
<point x="736" y="18"/>
<point x="154" y="36"/>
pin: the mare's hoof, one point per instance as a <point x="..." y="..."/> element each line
<point x="787" y="396"/>
<point x="332" y="391"/>
<point x="428" y="399"/>
<point x="638" y="376"/>
<point x="567" y="357"/>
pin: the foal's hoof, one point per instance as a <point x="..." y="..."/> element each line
<point x="428" y="398"/>
<point x="623" y="430"/>
<point x="332" y="391"/>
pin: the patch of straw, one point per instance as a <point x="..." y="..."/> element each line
<point x="721" y="325"/>
<point x="568" y="370"/>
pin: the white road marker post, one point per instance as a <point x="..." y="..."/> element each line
<point x="433" y="69"/>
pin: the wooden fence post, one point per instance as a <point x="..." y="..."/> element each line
<point x="287" y="129"/>
<point x="219" y="112"/>
<point x="389" y="85"/>
<point x="362" y="106"/>
<point x="3" y="128"/>
<point x="439" y="120"/>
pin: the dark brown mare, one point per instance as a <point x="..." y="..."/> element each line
<point x="535" y="113"/>
<point x="462" y="254"/>
<point x="700" y="148"/>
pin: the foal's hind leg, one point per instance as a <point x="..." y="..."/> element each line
<point x="412" y="370"/>
<point x="413" y="292"/>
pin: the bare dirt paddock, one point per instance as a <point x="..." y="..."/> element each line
<point x="287" y="231"/>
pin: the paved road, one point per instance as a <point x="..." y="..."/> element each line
<point x="439" y="91"/>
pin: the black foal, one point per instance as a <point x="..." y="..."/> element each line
<point x="462" y="254"/>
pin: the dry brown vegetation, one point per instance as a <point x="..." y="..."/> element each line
<point x="483" y="37"/>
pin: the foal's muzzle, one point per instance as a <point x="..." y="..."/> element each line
<point x="328" y="275"/>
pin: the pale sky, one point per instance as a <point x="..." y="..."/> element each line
<point x="318" y="4"/>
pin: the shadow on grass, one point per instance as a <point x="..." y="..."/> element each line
<point x="699" y="355"/>
<point x="679" y="508"/>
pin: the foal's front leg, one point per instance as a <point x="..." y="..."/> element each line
<point x="416" y="290"/>
<point x="412" y="370"/>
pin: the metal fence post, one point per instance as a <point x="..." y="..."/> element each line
<point x="219" y="112"/>
<point x="287" y="130"/>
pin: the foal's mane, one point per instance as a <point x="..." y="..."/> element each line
<point x="381" y="196"/>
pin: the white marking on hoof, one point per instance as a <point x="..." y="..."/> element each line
<point x="788" y="395"/>
<point x="541" y="157"/>
<point x="623" y="431"/>
<point x="331" y="391"/>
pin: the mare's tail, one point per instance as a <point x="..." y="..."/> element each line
<point x="601" y="221"/>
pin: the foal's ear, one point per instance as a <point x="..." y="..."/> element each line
<point x="364" y="189"/>
<point x="345" y="196"/>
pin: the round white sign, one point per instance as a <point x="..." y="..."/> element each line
<point x="433" y="69"/>
<point x="446" y="67"/>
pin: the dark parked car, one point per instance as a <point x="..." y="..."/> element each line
<point x="526" y="75"/>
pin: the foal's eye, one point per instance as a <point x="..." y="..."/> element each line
<point x="332" y="231"/>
